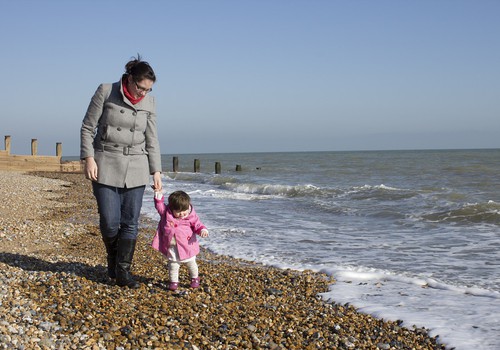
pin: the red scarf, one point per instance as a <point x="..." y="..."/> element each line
<point x="128" y="95"/>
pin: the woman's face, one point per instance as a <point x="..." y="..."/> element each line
<point x="139" y="89"/>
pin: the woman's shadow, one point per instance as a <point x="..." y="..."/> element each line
<point x="97" y="274"/>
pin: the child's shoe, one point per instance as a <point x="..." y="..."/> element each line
<point x="195" y="282"/>
<point x="173" y="285"/>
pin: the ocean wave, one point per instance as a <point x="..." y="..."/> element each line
<point x="200" y="178"/>
<point x="377" y="276"/>
<point x="236" y="185"/>
<point x="487" y="213"/>
<point x="379" y="192"/>
<point x="306" y="190"/>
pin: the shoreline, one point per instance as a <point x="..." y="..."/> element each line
<point x="54" y="291"/>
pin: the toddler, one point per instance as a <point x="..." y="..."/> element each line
<point x="176" y="235"/>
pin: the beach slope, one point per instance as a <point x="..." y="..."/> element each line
<point x="54" y="293"/>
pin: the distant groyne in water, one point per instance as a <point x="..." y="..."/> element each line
<point x="35" y="162"/>
<point x="196" y="166"/>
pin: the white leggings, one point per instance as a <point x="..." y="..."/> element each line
<point x="173" y="269"/>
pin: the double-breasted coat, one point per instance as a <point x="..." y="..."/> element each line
<point x="122" y="137"/>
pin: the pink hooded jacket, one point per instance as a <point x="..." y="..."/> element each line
<point x="184" y="230"/>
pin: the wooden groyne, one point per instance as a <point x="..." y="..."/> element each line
<point x="196" y="166"/>
<point x="34" y="162"/>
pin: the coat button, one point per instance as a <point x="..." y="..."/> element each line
<point x="132" y="129"/>
<point x="119" y="129"/>
<point x="134" y="114"/>
<point x="122" y="111"/>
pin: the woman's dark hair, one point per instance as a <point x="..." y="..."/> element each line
<point x="179" y="200"/>
<point x="139" y="70"/>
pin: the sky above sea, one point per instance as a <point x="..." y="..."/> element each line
<point x="260" y="76"/>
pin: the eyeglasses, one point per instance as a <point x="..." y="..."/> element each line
<point x="140" y="88"/>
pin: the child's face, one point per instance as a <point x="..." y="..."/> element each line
<point x="180" y="214"/>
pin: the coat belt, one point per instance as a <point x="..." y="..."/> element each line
<point x="125" y="150"/>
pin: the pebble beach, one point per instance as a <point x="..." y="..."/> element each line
<point x="55" y="294"/>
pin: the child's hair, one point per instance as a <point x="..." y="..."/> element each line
<point x="179" y="200"/>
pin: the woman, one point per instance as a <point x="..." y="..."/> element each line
<point x="119" y="143"/>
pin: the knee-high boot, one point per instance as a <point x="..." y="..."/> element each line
<point x="125" y="254"/>
<point x="111" y="244"/>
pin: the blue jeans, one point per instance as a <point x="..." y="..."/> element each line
<point x="119" y="210"/>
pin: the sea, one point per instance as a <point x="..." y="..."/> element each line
<point x="407" y="235"/>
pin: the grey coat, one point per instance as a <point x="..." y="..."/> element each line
<point x="122" y="137"/>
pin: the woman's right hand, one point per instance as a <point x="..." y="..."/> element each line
<point x="90" y="169"/>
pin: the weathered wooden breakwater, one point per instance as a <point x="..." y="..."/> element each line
<point x="35" y="162"/>
<point x="197" y="165"/>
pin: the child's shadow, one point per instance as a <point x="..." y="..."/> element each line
<point x="97" y="274"/>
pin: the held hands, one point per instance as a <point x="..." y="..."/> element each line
<point x="158" y="194"/>
<point x="157" y="185"/>
<point x="204" y="233"/>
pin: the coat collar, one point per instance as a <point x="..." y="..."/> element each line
<point x="142" y="104"/>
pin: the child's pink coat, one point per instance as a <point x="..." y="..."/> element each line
<point x="184" y="230"/>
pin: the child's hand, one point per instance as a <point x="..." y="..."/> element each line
<point x="204" y="233"/>
<point x="158" y="194"/>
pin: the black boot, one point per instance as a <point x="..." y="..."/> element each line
<point x="125" y="254"/>
<point x="111" y="244"/>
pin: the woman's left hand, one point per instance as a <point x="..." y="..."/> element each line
<point x="157" y="181"/>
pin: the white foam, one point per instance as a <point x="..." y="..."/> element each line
<point x="425" y="303"/>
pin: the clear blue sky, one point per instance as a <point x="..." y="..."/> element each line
<point x="257" y="76"/>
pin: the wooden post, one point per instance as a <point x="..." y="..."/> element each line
<point x="7" y="144"/>
<point x="217" y="167"/>
<point x="34" y="147"/>
<point x="58" y="149"/>
<point x="175" y="164"/>
<point x="238" y="167"/>
<point x="196" y="165"/>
